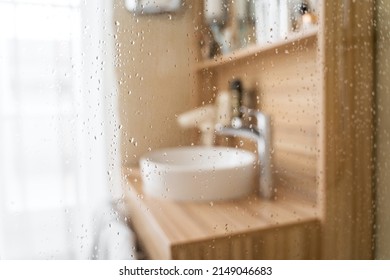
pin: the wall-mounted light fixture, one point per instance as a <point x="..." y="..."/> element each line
<point x="152" y="6"/>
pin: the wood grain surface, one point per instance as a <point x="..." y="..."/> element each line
<point x="250" y="228"/>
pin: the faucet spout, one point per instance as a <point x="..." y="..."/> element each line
<point x="261" y="134"/>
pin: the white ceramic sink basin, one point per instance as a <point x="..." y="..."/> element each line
<point x="198" y="173"/>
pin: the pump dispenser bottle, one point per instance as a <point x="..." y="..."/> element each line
<point x="236" y="92"/>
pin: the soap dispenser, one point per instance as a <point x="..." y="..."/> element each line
<point x="235" y="87"/>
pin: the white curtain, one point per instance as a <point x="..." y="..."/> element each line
<point x="59" y="167"/>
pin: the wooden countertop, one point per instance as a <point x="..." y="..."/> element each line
<point x="169" y="223"/>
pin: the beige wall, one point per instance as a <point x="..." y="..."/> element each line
<point x="383" y="131"/>
<point x="154" y="63"/>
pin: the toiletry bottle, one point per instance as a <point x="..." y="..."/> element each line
<point x="249" y="100"/>
<point x="224" y="108"/>
<point x="236" y="93"/>
<point x="308" y="17"/>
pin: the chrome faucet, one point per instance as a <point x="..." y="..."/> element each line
<point x="261" y="133"/>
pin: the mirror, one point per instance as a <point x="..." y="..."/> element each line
<point x="152" y="7"/>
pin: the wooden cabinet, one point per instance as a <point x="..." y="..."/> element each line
<point x="250" y="228"/>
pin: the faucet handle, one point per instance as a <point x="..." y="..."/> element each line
<point x="251" y="112"/>
<point x="248" y="111"/>
<point x="262" y="120"/>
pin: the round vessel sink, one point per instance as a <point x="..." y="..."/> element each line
<point x="198" y="173"/>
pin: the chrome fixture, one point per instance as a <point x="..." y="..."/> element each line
<point x="152" y="7"/>
<point x="261" y="133"/>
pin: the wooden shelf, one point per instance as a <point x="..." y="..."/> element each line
<point x="293" y="40"/>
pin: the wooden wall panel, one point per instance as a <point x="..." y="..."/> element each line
<point x="345" y="174"/>
<point x="154" y="65"/>
<point x="298" y="242"/>
<point x="288" y="88"/>
<point x="382" y="174"/>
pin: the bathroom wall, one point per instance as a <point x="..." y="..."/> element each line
<point x="157" y="56"/>
<point x="382" y="131"/>
<point x="154" y="62"/>
<point x="287" y="88"/>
